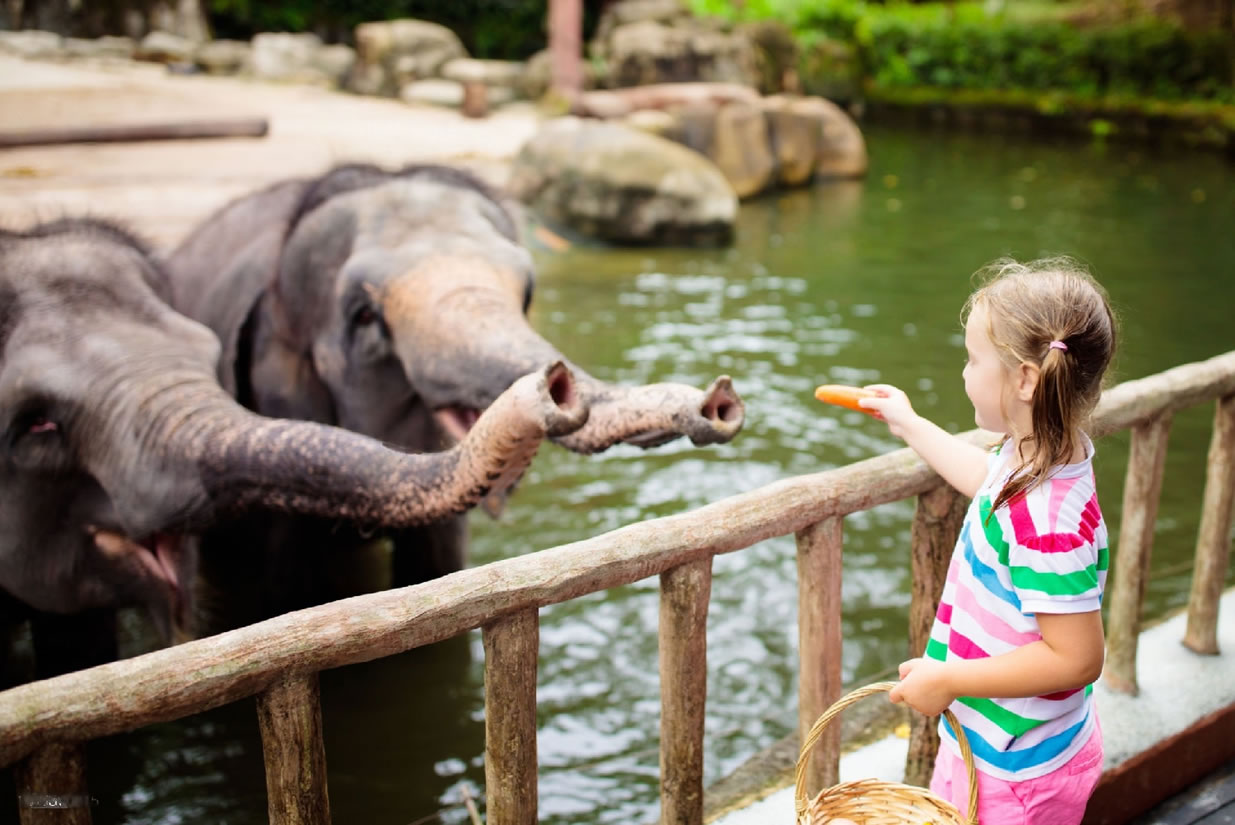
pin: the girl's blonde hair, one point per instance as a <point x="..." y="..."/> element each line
<point x="1028" y="307"/>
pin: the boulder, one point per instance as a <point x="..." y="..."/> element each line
<point x="223" y="56"/>
<point x="506" y="73"/>
<point x="623" y="185"/>
<point x="31" y="43"/>
<point x="288" y="58"/>
<point x="795" y="131"/>
<point x="101" y="48"/>
<point x="392" y="53"/>
<point x="842" y="149"/>
<point x="165" y="47"/>
<point x="647" y="51"/>
<point x="741" y="148"/>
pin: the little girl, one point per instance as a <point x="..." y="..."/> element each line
<point x="1017" y="641"/>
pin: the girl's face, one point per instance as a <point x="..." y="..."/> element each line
<point x="985" y="375"/>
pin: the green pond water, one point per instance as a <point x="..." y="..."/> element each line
<point x="843" y="283"/>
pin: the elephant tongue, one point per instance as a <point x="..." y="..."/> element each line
<point x="456" y="421"/>
<point x="155" y="557"/>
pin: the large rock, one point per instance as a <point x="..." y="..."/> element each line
<point x="300" y="58"/>
<point x="393" y="53"/>
<point x="165" y="47"/>
<point x="622" y="185"/>
<point x="647" y="51"/>
<point x="100" y="48"/>
<point x="224" y="56"/>
<point x="31" y="43"/>
<point x="795" y="130"/>
<point x="741" y="148"/>
<point x="842" y="149"/>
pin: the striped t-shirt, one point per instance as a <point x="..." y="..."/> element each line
<point x="1042" y="552"/>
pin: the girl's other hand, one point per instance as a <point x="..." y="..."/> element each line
<point x="892" y="405"/>
<point x="923" y="686"/>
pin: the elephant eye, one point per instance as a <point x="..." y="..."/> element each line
<point x="364" y="316"/>
<point x="37" y="441"/>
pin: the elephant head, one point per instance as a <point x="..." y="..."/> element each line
<point x="119" y="443"/>
<point x="394" y="304"/>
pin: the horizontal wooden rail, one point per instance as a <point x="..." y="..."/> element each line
<point x="199" y="675"/>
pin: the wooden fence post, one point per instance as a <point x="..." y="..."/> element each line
<point x="512" y="646"/>
<point x="1213" y="543"/>
<point x="1130" y="571"/>
<point x="289" y="714"/>
<point x="684" y="595"/>
<point x="936" y="526"/>
<point x="819" y="643"/>
<point x="51" y="786"/>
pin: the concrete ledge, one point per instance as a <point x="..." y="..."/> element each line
<point x="1179" y="728"/>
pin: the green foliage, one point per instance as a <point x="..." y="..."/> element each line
<point x="1014" y="44"/>
<point x="508" y="29"/>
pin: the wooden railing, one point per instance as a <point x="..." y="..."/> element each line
<point x="42" y="724"/>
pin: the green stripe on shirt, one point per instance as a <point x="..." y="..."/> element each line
<point x="1013" y="724"/>
<point x="994" y="533"/>
<point x="1056" y="584"/>
<point x="936" y="649"/>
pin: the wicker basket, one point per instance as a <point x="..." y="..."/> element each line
<point x="874" y="801"/>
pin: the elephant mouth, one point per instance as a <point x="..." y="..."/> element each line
<point x="155" y="558"/>
<point x="456" y="420"/>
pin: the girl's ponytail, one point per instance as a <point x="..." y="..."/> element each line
<point x="1053" y="315"/>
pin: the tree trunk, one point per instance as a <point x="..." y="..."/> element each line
<point x="566" y="47"/>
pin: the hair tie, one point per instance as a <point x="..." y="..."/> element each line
<point x="1058" y="345"/>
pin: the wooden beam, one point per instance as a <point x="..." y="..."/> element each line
<point x="1213" y="544"/>
<point x="290" y="718"/>
<point x="684" y="595"/>
<point x="936" y="526"/>
<point x="1130" y="567"/>
<point x="131" y="132"/>
<point x="820" y="638"/>
<point x="512" y="646"/>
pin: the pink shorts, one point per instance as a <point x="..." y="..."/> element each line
<point x="1058" y="798"/>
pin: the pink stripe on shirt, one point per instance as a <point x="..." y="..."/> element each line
<point x="1027" y="536"/>
<point x="964" y="647"/>
<point x="992" y="624"/>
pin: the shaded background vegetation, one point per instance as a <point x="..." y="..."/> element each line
<point x="498" y="29"/>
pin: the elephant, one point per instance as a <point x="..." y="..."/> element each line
<point x="121" y="448"/>
<point x="393" y="303"/>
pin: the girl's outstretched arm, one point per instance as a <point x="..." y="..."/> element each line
<point x="1068" y="656"/>
<point x="963" y="465"/>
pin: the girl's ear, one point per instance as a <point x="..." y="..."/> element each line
<point x="1025" y="381"/>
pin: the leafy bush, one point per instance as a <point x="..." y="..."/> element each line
<point x="508" y="29"/>
<point x="1022" y="45"/>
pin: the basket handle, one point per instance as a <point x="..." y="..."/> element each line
<point x="799" y="795"/>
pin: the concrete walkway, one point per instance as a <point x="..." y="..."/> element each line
<point x="161" y="189"/>
<point x="1177" y="688"/>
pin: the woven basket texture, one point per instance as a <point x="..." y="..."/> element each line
<point x="875" y="801"/>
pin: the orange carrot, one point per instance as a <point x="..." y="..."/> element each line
<point x="844" y="396"/>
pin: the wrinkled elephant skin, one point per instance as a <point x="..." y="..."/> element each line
<point x="120" y="445"/>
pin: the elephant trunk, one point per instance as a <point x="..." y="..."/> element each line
<point x="245" y="461"/>
<point x="654" y="414"/>
<point x="319" y="470"/>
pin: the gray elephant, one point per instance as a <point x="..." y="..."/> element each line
<point x="119" y="445"/>
<point x="394" y="304"/>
